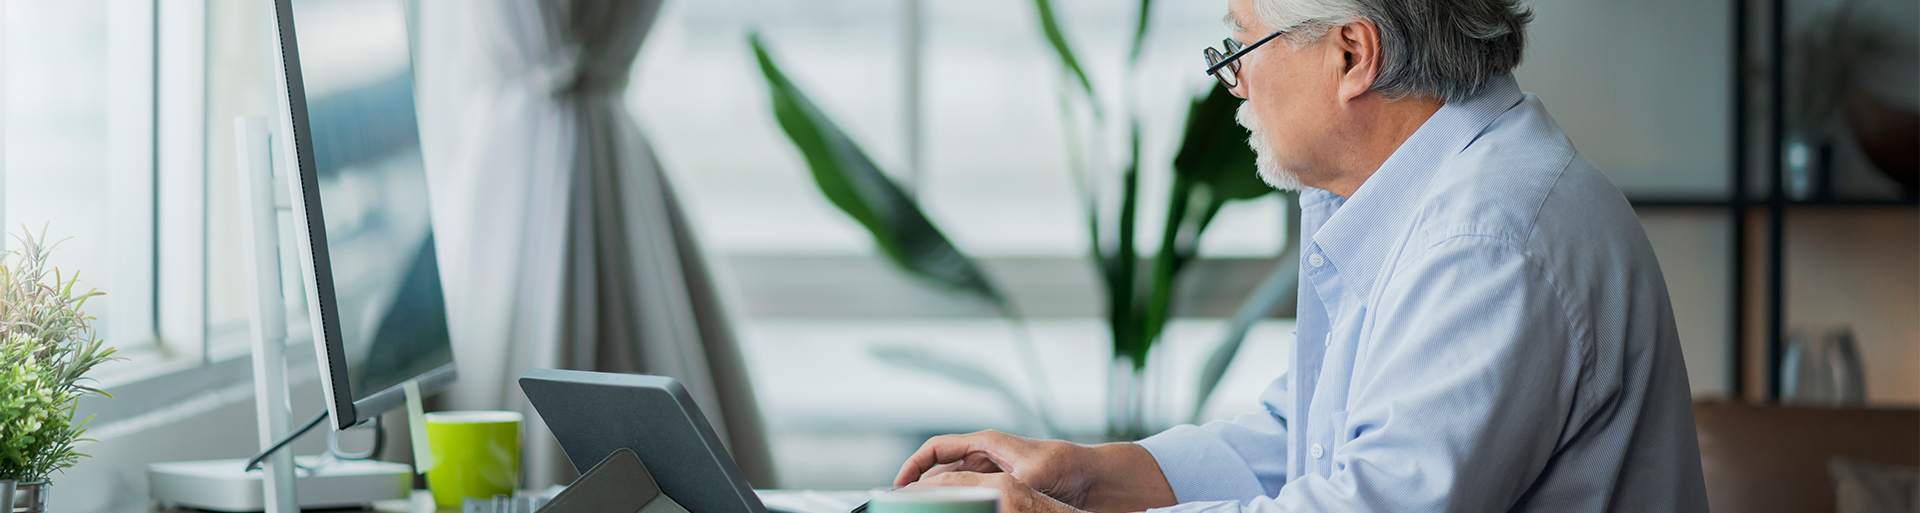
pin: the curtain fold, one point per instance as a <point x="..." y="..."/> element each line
<point x="568" y="246"/>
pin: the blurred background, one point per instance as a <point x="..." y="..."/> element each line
<point x="1769" y="147"/>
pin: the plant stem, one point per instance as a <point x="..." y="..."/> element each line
<point x="1124" y="302"/>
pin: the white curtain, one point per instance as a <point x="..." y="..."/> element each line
<point x="563" y="239"/>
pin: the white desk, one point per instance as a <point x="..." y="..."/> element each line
<point x="420" y="502"/>
<point x="800" y="501"/>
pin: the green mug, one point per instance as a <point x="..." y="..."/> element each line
<point x="937" y="499"/>
<point x="475" y="454"/>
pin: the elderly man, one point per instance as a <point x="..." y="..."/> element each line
<point x="1482" y="325"/>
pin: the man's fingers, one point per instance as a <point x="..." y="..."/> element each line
<point x="951" y="479"/>
<point x="937" y="451"/>
<point x="948" y="449"/>
<point x="999" y="480"/>
<point x="982" y="462"/>
<point x="942" y="468"/>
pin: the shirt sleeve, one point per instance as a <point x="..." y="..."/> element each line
<point x="1228" y="461"/>
<point x="1461" y="399"/>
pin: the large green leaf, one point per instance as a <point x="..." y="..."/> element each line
<point x="1140" y="30"/>
<point x="1050" y="26"/>
<point x="855" y="184"/>
<point x="1214" y="150"/>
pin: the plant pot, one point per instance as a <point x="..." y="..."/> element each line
<point x="29" y="497"/>
<point x="6" y="495"/>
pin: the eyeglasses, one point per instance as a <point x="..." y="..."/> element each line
<point x="1231" y="59"/>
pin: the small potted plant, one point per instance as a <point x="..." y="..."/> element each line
<point x="47" y="345"/>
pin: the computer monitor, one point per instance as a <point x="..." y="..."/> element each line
<point x="365" y="242"/>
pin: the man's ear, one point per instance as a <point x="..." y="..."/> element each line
<point x="1359" y="43"/>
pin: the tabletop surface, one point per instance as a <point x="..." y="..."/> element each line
<point x="420" y="502"/>
<point x="789" y="501"/>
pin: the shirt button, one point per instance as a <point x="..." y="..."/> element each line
<point x="1316" y="260"/>
<point x="1315" y="451"/>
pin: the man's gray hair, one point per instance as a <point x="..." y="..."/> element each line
<point x="1441" y="49"/>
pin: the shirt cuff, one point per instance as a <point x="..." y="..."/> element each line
<point x="1199" y="466"/>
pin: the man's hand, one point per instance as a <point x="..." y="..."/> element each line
<point x="1015" y="496"/>
<point x="1054" y="468"/>
<point x="1107" y="478"/>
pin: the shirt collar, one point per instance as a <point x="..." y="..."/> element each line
<point x="1359" y="234"/>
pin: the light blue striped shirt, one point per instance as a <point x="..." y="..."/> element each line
<point x="1482" y="328"/>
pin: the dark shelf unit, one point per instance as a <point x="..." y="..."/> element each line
<point x="1777" y="202"/>
<point x="1740" y="206"/>
<point x="1758" y="72"/>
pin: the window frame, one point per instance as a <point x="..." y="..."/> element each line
<point x="131" y="131"/>
<point x="181" y="178"/>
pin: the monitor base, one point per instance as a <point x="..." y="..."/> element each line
<point x="221" y="485"/>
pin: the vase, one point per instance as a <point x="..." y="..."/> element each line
<point x="1822" y="372"/>
<point x="29" y="497"/>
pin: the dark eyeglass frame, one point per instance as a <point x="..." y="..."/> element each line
<point x="1231" y="59"/>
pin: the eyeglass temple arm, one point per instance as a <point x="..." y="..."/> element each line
<point x="1243" y="51"/>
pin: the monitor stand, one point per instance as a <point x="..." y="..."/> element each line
<point x="226" y="485"/>
<point x="222" y="485"/>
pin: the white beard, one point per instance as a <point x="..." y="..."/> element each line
<point x="1264" y="164"/>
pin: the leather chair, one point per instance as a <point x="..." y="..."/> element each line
<point x="1764" y="459"/>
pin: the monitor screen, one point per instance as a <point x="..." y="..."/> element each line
<point x="374" y="274"/>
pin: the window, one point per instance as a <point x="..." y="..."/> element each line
<point x="79" y="151"/>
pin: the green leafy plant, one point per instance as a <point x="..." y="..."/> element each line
<point x="1213" y="167"/>
<point x="46" y="348"/>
